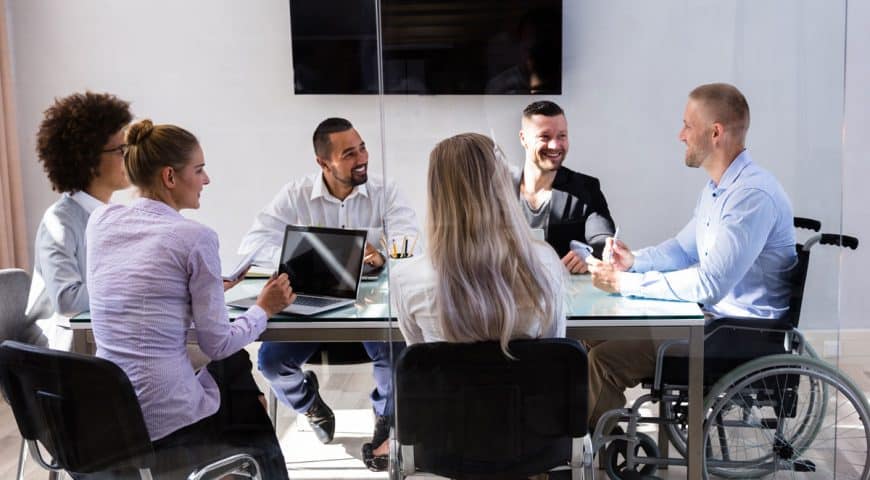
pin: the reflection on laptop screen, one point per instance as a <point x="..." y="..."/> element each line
<point x="323" y="262"/>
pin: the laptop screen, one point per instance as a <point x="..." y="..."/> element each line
<point x="323" y="261"/>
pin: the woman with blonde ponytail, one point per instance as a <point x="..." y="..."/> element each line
<point x="485" y="277"/>
<point x="153" y="274"/>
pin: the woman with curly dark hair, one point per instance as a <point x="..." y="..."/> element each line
<point x="81" y="146"/>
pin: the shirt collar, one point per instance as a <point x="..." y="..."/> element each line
<point x="320" y="190"/>
<point x="154" y="206"/>
<point x="86" y="200"/>
<point x="732" y="172"/>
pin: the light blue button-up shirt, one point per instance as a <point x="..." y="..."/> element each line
<point x="735" y="254"/>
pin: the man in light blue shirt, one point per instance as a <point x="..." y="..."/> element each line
<point x="734" y="256"/>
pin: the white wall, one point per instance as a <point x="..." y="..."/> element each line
<point x="856" y="168"/>
<point x="221" y="68"/>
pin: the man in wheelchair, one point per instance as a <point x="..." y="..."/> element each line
<point x="733" y="257"/>
<point x="770" y="405"/>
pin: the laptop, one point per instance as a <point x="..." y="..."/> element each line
<point x="324" y="266"/>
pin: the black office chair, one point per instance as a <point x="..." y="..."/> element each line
<point x="83" y="411"/>
<point x="467" y="411"/>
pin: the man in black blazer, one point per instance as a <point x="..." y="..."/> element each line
<point x="566" y="204"/>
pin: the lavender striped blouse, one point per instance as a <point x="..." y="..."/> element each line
<point x="151" y="273"/>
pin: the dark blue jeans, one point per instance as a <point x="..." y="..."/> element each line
<point x="281" y="363"/>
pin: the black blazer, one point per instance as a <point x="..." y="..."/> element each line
<point x="578" y="211"/>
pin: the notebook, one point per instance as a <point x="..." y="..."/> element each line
<point x="324" y="266"/>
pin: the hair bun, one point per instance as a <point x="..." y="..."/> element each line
<point x="139" y="131"/>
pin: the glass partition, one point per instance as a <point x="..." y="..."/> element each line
<point x="254" y="81"/>
<point x="626" y="72"/>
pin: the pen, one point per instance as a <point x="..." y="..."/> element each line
<point x="394" y="252"/>
<point x="404" y="246"/>
<point x="609" y="255"/>
<point x="413" y="245"/>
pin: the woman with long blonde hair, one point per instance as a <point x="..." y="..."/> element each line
<point x="485" y="277"/>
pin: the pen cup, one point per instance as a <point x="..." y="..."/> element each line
<point x="401" y="246"/>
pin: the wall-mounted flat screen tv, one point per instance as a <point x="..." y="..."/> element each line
<point x="430" y="47"/>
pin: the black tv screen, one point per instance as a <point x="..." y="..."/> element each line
<point x="429" y="47"/>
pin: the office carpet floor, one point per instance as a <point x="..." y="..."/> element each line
<point x="346" y="387"/>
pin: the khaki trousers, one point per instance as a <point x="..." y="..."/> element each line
<point x="615" y="365"/>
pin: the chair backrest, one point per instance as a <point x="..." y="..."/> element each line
<point x="81" y="408"/>
<point x="14" y="288"/>
<point x="798" y="280"/>
<point x="799" y="274"/>
<point x="470" y="411"/>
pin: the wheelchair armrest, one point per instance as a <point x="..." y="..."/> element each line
<point x="779" y="325"/>
<point x="660" y="357"/>
<point x="233" y="464"/>
<point x="782" y="324"/>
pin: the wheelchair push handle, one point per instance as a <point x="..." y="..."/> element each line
<point x="841" y="240"/>
<point x="807" y="223"/>
<point x="832" y="239"/>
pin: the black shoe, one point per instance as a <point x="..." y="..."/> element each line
<point x="320" y="416"/>
<point x="375" y="463"/>
<point x="378" y="463"/>
<point x="382" y="429"/>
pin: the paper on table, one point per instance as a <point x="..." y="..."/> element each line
<point x="257" y="271"/>
<point x="580" y="249"/>
<point x="240" y="267"/>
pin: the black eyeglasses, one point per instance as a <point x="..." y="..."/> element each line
<point x="120" y="149"/>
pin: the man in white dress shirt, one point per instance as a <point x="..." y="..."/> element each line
<point x="340" y="195"/>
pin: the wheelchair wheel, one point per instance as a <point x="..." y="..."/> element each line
<point x="787" y="416"/>
<point x="677" y="410"/>
<point x="615" y="458"/>
<point x="803" y="415"/>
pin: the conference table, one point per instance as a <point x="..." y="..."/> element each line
<point x="591" y="315"/>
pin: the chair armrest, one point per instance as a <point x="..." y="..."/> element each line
<point x="660" y="357"/>
<point x="241" y="463"/>
<point x="712" y="326"/>
<point x="782" y="324"/>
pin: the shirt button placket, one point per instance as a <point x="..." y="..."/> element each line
<point x="342" y="216"/>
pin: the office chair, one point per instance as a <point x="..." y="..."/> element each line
<point x="83" y="412"/>
<point x="467" y="411"/>
<point x="14" y="288"/>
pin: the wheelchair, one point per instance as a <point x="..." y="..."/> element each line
<point x="773" y="408"/>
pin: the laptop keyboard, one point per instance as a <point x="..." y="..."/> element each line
<point x="312" y="301"/>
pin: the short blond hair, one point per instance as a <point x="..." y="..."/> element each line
<point x="724" y="104"/>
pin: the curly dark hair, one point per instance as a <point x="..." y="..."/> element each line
<point x="72" y="135"/>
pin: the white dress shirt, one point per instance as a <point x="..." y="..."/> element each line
<point x="373" y="206"/>
<point x="413" y="283"/>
